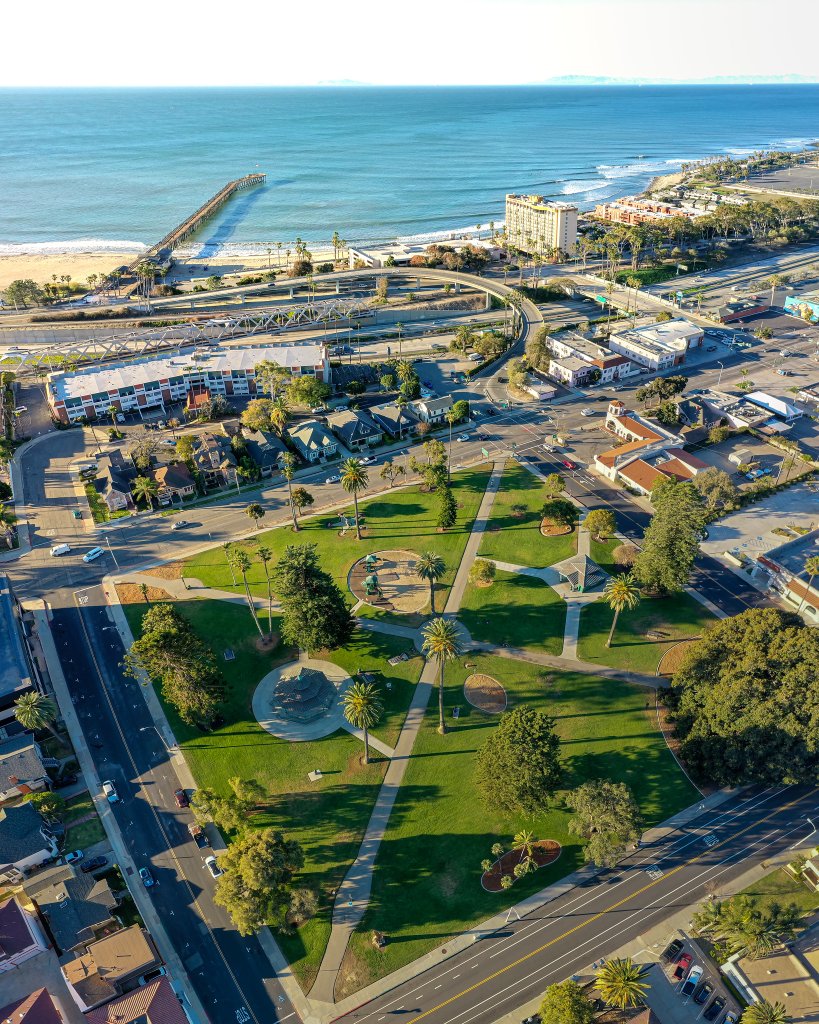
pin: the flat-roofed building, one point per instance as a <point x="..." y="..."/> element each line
<point x="110" y="966"/>
<point x="157" y="381"/>
<point x="658" y="346"/>
<point x="631" y="210"/>
<point x="537" y="225"/>
<point x="784" y="568"/>
<point x="399" y="254"/>
<point x="16" y="674"/>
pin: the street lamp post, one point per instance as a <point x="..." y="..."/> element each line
<point x="168" y="748"/>
<point x="721" y="368"/>
<point x="111" y="552"/>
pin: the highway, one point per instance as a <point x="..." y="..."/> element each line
<point x="568" y="935"/>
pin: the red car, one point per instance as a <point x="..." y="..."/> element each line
<point x="682" y="966"/>
<point x="181" y="798"/>
<point x="568" y="464"/>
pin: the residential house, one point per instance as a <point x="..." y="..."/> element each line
<point x="265" y="449"/>
<point x="110" y="967"/>
<point x="355" y="430"/>
<point x="313" y="440"/>
<point x="432" y="410"/>
<point x="175" y="482"/>
<point x="39" y="1007"/>
<point x="23" y="767"/>
<point x="154" y="1003"/>
<point x="397" y="421"/>
<point x="21" y="936"/>
<point x="115" y="476"/>
<point x="75" y="906"/>
<point x="214" y="459"/>
<point x="25" y="841"/>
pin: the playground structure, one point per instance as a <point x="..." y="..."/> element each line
<point x="387" y="580"/>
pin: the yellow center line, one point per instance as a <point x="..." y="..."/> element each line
<point x="602" y="913"/>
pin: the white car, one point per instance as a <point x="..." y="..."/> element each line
<point x="368" y="460"/>
<point x="109" y="791"/>
<point x="60" y="549"/>
<point x="213" y="867"/>
<point x="180" y="524"/>
<point x="475" y="357"/>
<point x="334" y="479"/>
<point x="587" y="412"/>
<point x="93" y="554"/>
<point x="462" y="437"/>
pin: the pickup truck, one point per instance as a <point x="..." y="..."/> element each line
<point x="198" y="835"/>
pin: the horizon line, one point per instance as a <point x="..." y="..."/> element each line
<point x="560" y="83"/>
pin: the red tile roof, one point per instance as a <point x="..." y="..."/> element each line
<point x="155" y="1003"/>
<point x="803" y="593"/>
<point x="639" y="429"/>
<point x="609" y="457"/>
<point x="641" y="474"/>
<point x="36" y="1008"/>
<point x="676" y="468"/>
<point x="687" y="458"/>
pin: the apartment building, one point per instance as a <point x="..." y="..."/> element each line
<point x="578" y="361"/>
<point x="157" y="381"/>
<point x="536" y="225"/>
<point x="658" y="346"/>
<point x="631" y="210"/>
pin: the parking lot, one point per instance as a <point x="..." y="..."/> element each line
<point x="669" y="996"/>
<point x="761" y="455"/>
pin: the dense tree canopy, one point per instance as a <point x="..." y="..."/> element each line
<point x="607" y="817"/>
<point x="566" y="1003"/>
<point x="672" y="538"/>
<point x="518" y="768"/>
<point x="316" y="615"/>
<point x="716" y="487"/>
<point x="746" y="699"/>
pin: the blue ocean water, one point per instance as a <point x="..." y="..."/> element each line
<point x="83" y="169"/>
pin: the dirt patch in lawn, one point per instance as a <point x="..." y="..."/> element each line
<point x="168" y="571"/>
<point x="131" y="593"/>
<point x="354" y="974"/>
<point x="546" y="851"/>
<point x="266" y="644"/>
<point x="485" y="693"/>
<point x="395" y="587"/>
<point x="550" y="529"/>
<point x="673" y="657"/>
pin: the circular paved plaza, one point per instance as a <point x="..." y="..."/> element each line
<point x="301" y="700"/>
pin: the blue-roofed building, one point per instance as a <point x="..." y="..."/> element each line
<point x="15" y="672"/>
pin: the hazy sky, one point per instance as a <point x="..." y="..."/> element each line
<point x="423" y="42"/>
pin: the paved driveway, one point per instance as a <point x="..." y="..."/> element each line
<point x="749" y="531"/>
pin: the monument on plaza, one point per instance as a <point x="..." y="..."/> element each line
<point x="304" y="694"/>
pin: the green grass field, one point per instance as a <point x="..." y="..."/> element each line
<point x="600" y="551"/>
<point x="675" y="617"/>
<point x="782" y="888"/>
<point x="516" y="538"/>
<point x="400" y="519"/>
<point x="516" y="611"/>
<point x="328" y="818"/>
<point x="427" y="882"/>
<point x="78" y="837"/>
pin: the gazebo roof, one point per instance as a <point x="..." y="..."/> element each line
<point x="582" y="572"/>
<point x="305" y="694"/>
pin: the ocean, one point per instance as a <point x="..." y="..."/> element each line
<point x="92" y="170"/>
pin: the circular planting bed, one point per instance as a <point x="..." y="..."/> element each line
<point x="672" y="659"/>
<point x="386" y="579"/>
<point x="546" y="851"/>
<point x="550" y="529"/>
<point x="485" y="693"/>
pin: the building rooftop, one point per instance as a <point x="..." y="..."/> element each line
<point x="670" y="336"/>
<point x="115" y="376"/>
<point x="571" y="363"/>
<point x="793" y="554"/>
<point x="539" y="203"/>
<point x="36" y="1008"/>
<point x="352" y="426"/>
<point x="642" y="474"/>
<point x="311" y="434"/>
<point x="20" y="833"/>
<point x="14" y="671"/>
<point x="20" y="761"/>
<point x="434" y="406"/>
<point x="15" y="936"/>
<point x="74" y="906"/>
<point x="109" y="961"/>
<point x="155" y="1003"/>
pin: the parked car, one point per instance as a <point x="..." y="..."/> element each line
<point x="75" y="855"/>
<point x="212" y="866"/>
<point x="149" y="976"/>
<point x="109" y="791"/>
<point x="462" y="437"/>
<point x="587" y="412"/>
<point x="682" y="966"/>
<point x="67" y="779"/>
<point x="180" y="524"/>
<point x="672" y="951"/>
<point x="704" y="992"/>
<point x="490" y="411"/>
<point x="181" y="798"/>
<point x="92" y="555"/>
<point x="730" y="1018"/>
<point x="147" y="878"/>
<point x="198" y="835"/>
<point x="94" y="864"/>
<point x="714" y="1009"/>
<point x="368" y="460"/>
<point x="692" y="980"/>
<point x="60" y="549"/>
<point x="333" y="479"/>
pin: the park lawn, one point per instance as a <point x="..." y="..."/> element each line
<point x="516" y="611"/>
<point x="676" y="617"/>
<point x="600" y="551"/>
<point x="427" y="881"/>
<point x="517" y="538"/>
<point x="782" y="888"/>
<point x="328" y="818"/>
<point x="399" y="519"/>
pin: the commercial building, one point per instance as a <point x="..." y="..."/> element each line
<point x="776" y="405"/>
<point x="631" y="210"/>
<point x="536" y="387"/>
<point x="806" y="307"/>
<point x="571" y="370"/>
<point x="658" y="346"/>
<point x="400" y="254"/>
<point x="536" y="225"/>
<point x="158" y="381"/>
<point x="647" y="452"/>
<point x="571" y="350"/>
<point x="783" y="569"/>
<point x="743" y="309"/>
<point x="16" y="674"/>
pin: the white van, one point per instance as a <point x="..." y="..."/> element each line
<point x="89" y="556"/>
<point x="60" y="549"/>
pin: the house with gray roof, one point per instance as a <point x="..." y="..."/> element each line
<point x="15" y="670"/>
<point x="23" y="767"/>
<point x="266" y="449"/>
<point x="432" y="410"/>
<point x="355" y="429"/>
<point x="75" y="906"/>
<point x="313" y="440"/>
<point x="21" y="936"/>
<point x="114" y="479"/>
<point x="214" y="459"/>
<point x="395" y="420"/>
<point x="25" y="841"/>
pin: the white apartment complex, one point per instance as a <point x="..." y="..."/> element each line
<point x="536" y="225"/>
<point x="658" y="346"/>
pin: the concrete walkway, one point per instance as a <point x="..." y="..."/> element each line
<point x="191" y="588"/>
<point x="374" y="741"/>
<point x="353" y="894"/>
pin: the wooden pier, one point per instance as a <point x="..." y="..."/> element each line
<point x="195" y="221"/>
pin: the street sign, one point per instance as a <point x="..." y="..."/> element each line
<point x="601" y="299"/>
<point x="485" y="452"/>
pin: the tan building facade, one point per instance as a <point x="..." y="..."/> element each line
<point x="536" y="225"/>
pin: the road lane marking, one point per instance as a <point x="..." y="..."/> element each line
<point x="599" y="915"/>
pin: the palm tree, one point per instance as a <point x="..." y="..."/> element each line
<point x="362" y="709"/>
<point x="442" y="642"/>
<point x="288" y="469"/>
<point x="620" y="983"/>
<point x="278" y="413"/>
<point x="228" y="555"/>
<point x="265" y="557"/>
<point x="144" y="590"/>
<point x="430" y="567"/>
<point x="354" y="479"/>
<point x="766" y="1013"/>
<point x="525" y="842"/>
<point x="242" y="562"/>
<point x="35" y="711"/>
<point x="255" y="511"/>
<point x="146" y="272"/>
<point x="451" y="419"/>
<point x="145" y="489"/>
<point x="811" y="568"/>
<point x="620" y="592"/>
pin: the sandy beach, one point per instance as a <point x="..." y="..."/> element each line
<point x="41" y="266"/>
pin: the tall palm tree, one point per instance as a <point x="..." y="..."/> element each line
<point x="35" y="711"/>
<point x="442" y="642"/>
<point x="430" y="567"/>
<point x="226" y="547"/>
<point x="362" y="709"/>
<point x="278" y="413"/>
<point x="288" y="469"/>
<point x="620" y="983"/>
<point x="354" y="479"/>
<point x="145" y="489"/>
<point x="811" y="568"/>
<point x="144" y="590"/>
<point x="765" y="1013"/>
<point x="242" y="562"/>
<point x="451" y="419"/>
<point x="620" y="592"/>
<point x="265" y="557"/>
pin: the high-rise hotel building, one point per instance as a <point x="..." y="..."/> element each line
<point x="535" y="224"/>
